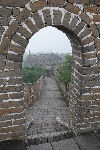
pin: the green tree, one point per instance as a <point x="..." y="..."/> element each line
<point x="32" y="74"/>
<point x="64" y="72"/>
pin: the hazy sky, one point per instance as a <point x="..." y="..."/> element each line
<point x="49" y="39"/>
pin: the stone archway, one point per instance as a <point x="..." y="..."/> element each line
<point x="84" y="36"/>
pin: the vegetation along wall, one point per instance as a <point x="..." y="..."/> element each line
<point x="21" y="19"/>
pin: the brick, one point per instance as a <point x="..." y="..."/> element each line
<point x="24" y="32"/>
<point x="4" y="21"/>
<point x="13" y="27"/>
<point x="11" y="104"/>
<point x="2" y="61"/>
<point x="17" y="49"/>
<point x="16" y="95"/>
<point x="85" y="33"/>
<point x="57" y="3"/>
<point x="98" y="27"/>
<point x="21" y="41"/>
<point x="90" y="70"/>
<point x="88" y="97"/>
<point x="12" y="129"/>
<point x="98" y="57"/>
<point x="14" y="81"/>
<point x="3" y="81"/>
<point x="12" y="65"/>
<point x="11" y="73"/>
<point x="37" y="5"/>
<point x="79" y="2"/>
<point x="31" y="26"/>
<point x="91" y="9"/>
<point x="19" y="122"/>
<point x="95" y="2"/>
<point x="5" y="124"/>
<point x="38" y="20"/>
<point x="96" y="18"/>
<point x="1" y="30"/>
<point x="88" y="48"/>
<point x="16" y="12"/>
<point x="94" y="30"/>
<point x="88" y="63"/>
<point x="15" y="58"/>
<point x="97" y="42"/>
<point x="13" y="3"/>
<point x="79" y="27"/>
<point x="4" y="97"/>
<point x="57" y="15"/>
<point x="47" y="17"/>
<point x="85" y="18"/>
<point x="66" y="19"/>
<point x="24" y="14"/>
<point x="5" y="12"/>
<point x="4" y="45"/>
<point x="72" y="8"/>
<point x="73" y="23"/>
<point x="11" y="116"/>
<point x="88" y="40"/>
<point x="89" y="55"/>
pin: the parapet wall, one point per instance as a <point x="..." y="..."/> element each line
<point x="32" y="91"/>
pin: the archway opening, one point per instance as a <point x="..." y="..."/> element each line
<point x="47" y="51"/>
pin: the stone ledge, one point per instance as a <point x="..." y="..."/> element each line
<point x="49" y="137"/>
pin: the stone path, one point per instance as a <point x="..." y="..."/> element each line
<point x="45" y="110"/>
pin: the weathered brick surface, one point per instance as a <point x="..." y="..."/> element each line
<point x="4" y="45"/>
<point x="11" y="104"/>
<point x="21" y="41"/>
<point x="24" y="32"/>
<point x="11" y="73"/>
<point x="38" y="5"/>
<point x="88" y="48"/>
<point x="47" y="17"/>
<point x="57" y="3"/>
<point x="79" y="2"/>
<point x="13" y="3"/>
<point x="31" y="26"/>
<point x="96" y="18"/>
<point x="57" y="15"/>
<point x="38" y="20"/>
<point x="14" y="81"/>
<point x="89" y="55"/>
<point x="71" y="8"/>
<point x="11" y="89"/>
<point x="73" y="23"/>
<point x="66" y="19"/>
<point x="94" y="30"/>
<point x="88" y="40"/>
<point x="17" y="49"/>
<point x="97" y="42"/>
<point x="1" y="30"/>
<point x="16" y="12"/>
<point x="16" y="96"/>
<point x="91" y="9"/>
<point x="79" y="27"/>
<point x="13" y="65"/>
<point x="24" y="14"/>
<point x="85" y="18"/>
<point x="85" y="33"/>
<point x="5" y="12"/>
<point x="3" y="97"/>
<point x="15" y="58"/>
<point x="95" y="2"/>
<point x="12" y="29"/>
<point x="2" y="61"/>
<point x="4" y="21"/>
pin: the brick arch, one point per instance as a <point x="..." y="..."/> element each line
<point x="77" y="25"/>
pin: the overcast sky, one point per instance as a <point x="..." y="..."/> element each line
<point x="49" y="39"/>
